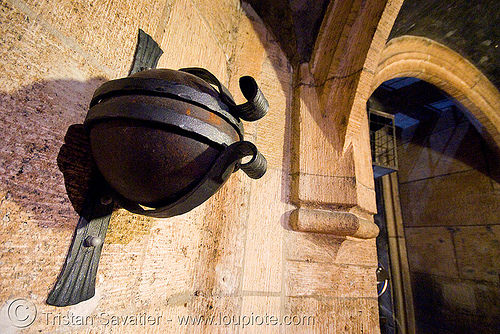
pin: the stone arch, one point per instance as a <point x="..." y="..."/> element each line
<point x="423" y="58"/>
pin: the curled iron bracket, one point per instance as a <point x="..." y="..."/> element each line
<point x="256" y="106"/>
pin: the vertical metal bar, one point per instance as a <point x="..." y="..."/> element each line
<point x="400" y="272"/>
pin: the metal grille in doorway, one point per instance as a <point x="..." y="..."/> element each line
<point x="382" y="142"/>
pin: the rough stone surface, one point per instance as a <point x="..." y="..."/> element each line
<point x="231" y="256"/>
<point x="460" y="25"/>
<point x="448" y="187"/>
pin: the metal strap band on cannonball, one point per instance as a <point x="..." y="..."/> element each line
<point x="158" y="115"/>
<point x="165" y="89"/>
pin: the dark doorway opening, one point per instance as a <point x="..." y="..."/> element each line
<point x="448" y="187"/>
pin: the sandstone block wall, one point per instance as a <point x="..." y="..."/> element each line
<point x="449" y="187"/>
<point x="233" y="255"/>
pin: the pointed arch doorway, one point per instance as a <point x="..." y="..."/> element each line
<point x="441" y="230"/>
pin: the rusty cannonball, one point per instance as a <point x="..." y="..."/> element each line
<point x="157" y="134"/>
<point x="138" y="160"/>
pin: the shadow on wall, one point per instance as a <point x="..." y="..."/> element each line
<point x="436" y="314"/>
<point x="435" y="143"/>
<point x="297" y="26"/>
<point x="294" y="23"/>
<point x="34" y="121"/>
<point x="284" y="73"/>
<point x="434" y="130"/>
<point x="449" y="201"/>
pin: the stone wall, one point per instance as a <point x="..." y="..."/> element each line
<point x="232" y="256"/>
<point x="466" y="27"/>
<point x="449" y="187"/>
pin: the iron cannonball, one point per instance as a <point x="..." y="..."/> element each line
<point x="166" y="140"/>
<point x="162" y="142"/>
